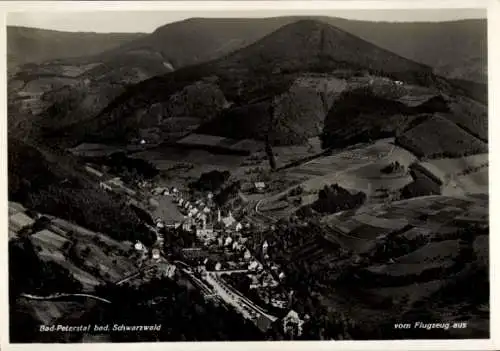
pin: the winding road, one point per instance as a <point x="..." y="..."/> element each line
<point x="62" y="296"/>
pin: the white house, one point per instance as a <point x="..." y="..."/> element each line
<point x="218" y="266"/>
<point x="259" y="186"/>
<point x="253" y="266"/>
<point x="281" y="276"/>
<point x="206" y="209"/>
<point x="265" y="245"/>
<point x="229" y="220"/>
<point x="247" y="255"/>
<point x="220" y="241"/>
<point x="292" y="324"/>
<point x="155" y="253"/>
<point x="187" y="225"/>
<point x="239" y="226"/>
<point x="228" y="241"/>
<point x="160" y="225"/>
<point x="139" y="246"/>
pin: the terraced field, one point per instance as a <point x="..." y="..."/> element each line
<point x="433" y="216"/>
<point x="106" y="259"/>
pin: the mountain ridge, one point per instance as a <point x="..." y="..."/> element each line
<point x="36" y="45"/>
<point x="250" y="73"/>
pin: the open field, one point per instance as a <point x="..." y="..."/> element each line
<point x="245" y="146"/>
<point x="433" y="216"/>
<point x="438" y="137"/>
<point x="468" y="174"/>
<point x="167" y="209"/>
<point x="458" y="166"/>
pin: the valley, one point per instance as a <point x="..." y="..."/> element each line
<point x="296" y="182"/>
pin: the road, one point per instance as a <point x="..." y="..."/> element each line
<point x="61" y="296"/>
<point x="136" y="274"/>
<point x="236" y="299"/>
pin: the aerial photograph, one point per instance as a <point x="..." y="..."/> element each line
<point x="247" y="176"/>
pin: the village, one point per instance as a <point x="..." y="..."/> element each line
<point x="219" y="260"/>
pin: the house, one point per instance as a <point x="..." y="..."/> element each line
<point x="170" y="271"/>
<point x="265" y="245"/>
<point x="139" y="246"/>
<point x="188" y="224"/>
<point x="158" y="191"/>
<point x="20" y="221"/>
<point x="203" y="218"/>
<point x="229" y="220"/>
<point x="247" y="255"/>
<point x="210" y="195"/>
<point x="278" y="303"/>
<point x="220" y="241"/>
<point x="292" y="324"/>
<point x="260" y="186"/>
<point x="238" y="227"/>
<point x="218" y="266"/>
<point x="253" y="266"/>
<point x="155" y="254"/>
<point x="181" y="201"/>
<point x="105" y="186"/>
<point x="228" y="241"/>
<point x="206" y="209"/>
<point x="160" y="225"/>
<point x="206" y="233"/>
<point x="281" y="276"/>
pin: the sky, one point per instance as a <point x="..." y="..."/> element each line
<point x="148" y="21"/>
